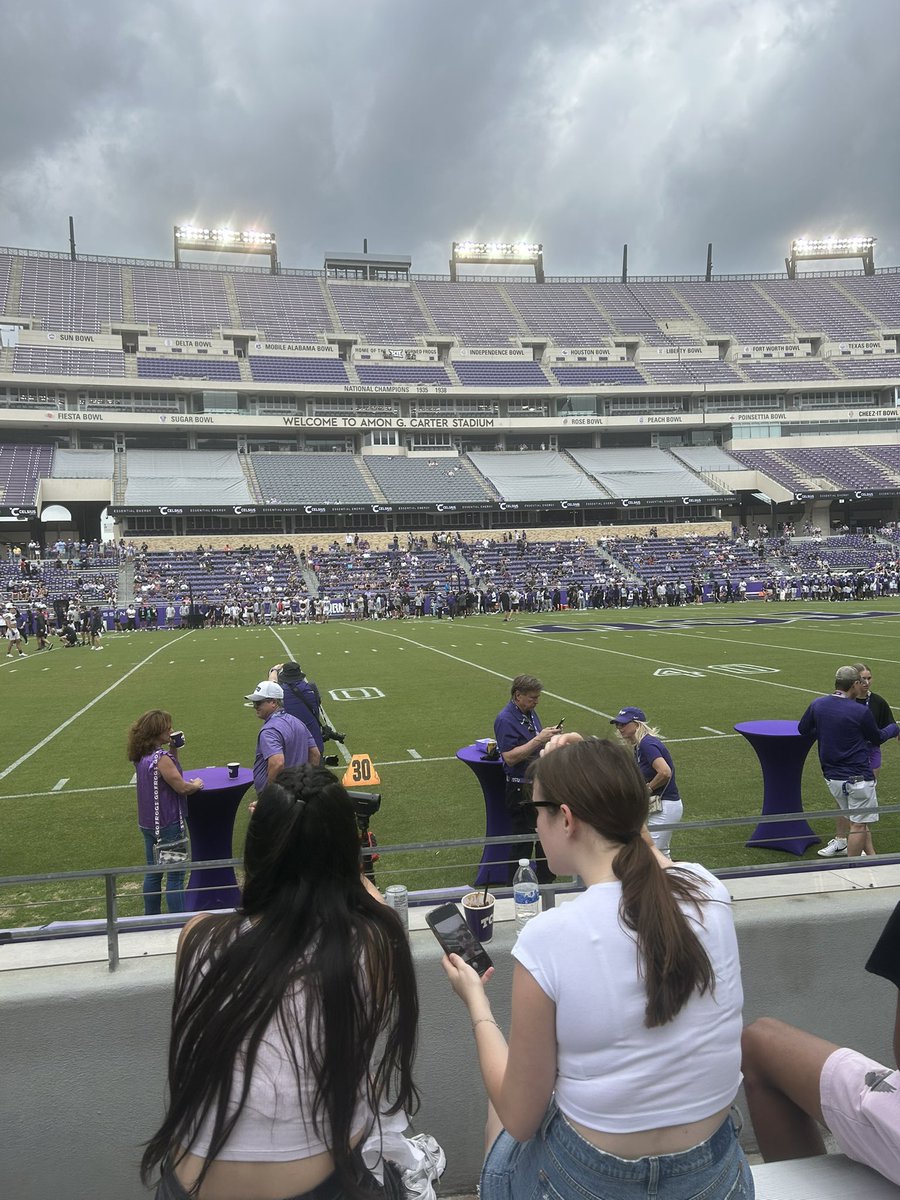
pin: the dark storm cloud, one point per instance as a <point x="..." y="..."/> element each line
<point x="663" y="123"/>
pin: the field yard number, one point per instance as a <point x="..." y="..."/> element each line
<point x="360" y="770"/>
<point x="357" y="693"/>
<point x="722" y="668"/>
<point x="676" y="671"/>
<point x="743" y="669"/>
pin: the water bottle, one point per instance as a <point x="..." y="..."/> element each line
<point x="526" y="894"/>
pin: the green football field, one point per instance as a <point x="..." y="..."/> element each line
<point x="409" y="694"/>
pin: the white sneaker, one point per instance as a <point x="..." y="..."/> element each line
<point x="420" y="1179"/>
<point x="835" y="847"/>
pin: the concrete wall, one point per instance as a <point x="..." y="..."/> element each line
<point x="83" y="1050"/>
<point x="382" y="541"/>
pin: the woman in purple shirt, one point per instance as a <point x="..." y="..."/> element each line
<point x="160" y="791"/>
<point x="655" y="764"/>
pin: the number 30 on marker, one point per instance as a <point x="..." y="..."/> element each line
<point x="360" y="772"/>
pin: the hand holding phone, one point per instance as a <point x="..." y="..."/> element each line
<point x="449" y="927"/>
<point x="560" y="722"/>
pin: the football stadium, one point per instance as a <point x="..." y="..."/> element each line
<point x="680" y="494"/>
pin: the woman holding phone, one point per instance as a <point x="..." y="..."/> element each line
<point x="294" y="1020"/>
<point x="624" y="1049"/>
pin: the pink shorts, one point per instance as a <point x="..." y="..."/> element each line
<point x="861" y="1105"/>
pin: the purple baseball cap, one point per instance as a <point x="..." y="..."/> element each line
<point x="628" y="714"/>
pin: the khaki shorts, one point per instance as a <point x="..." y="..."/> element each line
<point x="858" y="800"/>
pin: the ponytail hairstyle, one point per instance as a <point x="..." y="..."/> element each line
<point x="311" y="950"/>
<point x="598" y="780"/>
<point x="644" y="730"/>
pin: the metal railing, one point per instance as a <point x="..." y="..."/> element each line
<point x="112" y="924"/>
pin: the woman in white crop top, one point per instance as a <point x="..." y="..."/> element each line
<point x="624" y="1046"/>
<point x="294" y="1020"/>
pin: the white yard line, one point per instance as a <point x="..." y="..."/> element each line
<point x="487" y="670"/>
<point x="581" y="645"/>
<point x="716" y="737"/>
<point x="59" y="785"/>
<point x="76" y="791"/>
<point x="750" y="645"/>
<point x="664" y="662"/>
<point x="396" y="762"/>
<point x="65" y="725"/>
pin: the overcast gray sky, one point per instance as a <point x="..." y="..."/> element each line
<point x="582" y="124"/>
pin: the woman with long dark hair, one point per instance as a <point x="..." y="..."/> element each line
<point x="624" y="1048"/>
<point x="161" y="793"/>
<point x="294" y="1020"/>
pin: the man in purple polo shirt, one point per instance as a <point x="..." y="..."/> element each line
<point x="283" y="740"/>
<point x="845" y="733"/>
<point x="520" y="739"/>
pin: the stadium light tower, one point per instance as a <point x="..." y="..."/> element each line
<point x="226" y="241"/>
<point x="503" y="253"/>
<point x="808" y="249"/>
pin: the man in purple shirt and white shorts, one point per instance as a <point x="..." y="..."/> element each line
<point x="283" y="740"/>
<point x="846" y="732"/>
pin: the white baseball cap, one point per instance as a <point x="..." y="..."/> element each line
<point x="266" y="691"/>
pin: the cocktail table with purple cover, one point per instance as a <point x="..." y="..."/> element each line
<point x="781" y="750"/>
<point x="494" y="866"/>
<point x="210" y="820"/>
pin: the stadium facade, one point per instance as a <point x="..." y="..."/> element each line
<point x="204" y="400"/>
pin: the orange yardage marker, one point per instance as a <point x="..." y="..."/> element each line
<point x="360" y="772"/>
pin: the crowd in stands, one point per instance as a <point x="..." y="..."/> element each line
<point x="218" y="576"/>
<point x="448" y="575"/>
<point x="36" y="581"/>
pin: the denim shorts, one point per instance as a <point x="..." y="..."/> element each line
<point x="558" y="1164"/>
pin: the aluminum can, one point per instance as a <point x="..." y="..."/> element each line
<point x="397" y="898"/>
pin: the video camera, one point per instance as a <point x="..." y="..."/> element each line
<point x="365" y="805"/>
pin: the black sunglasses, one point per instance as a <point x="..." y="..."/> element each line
<point x="530" y="808"/>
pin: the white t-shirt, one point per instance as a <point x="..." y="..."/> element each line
<point x="275" y="1124"/>
<point x="614" y="1074"/>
